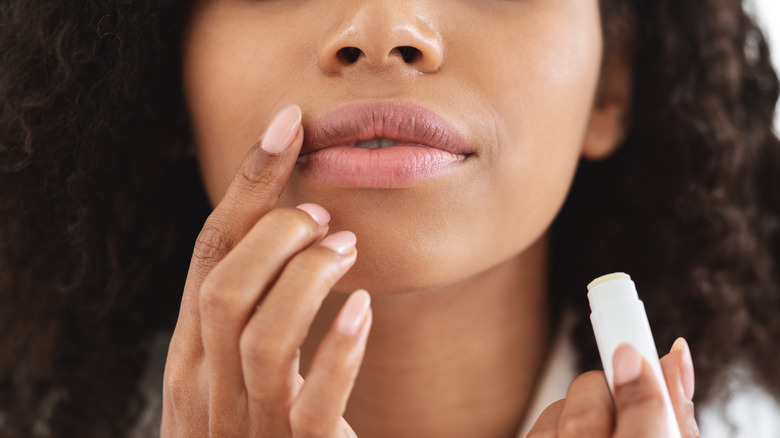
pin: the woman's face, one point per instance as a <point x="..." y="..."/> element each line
<point x="514" y="79"/>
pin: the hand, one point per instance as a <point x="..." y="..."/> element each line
<point x="257" y="278"/>
<point x="637" y="409"/>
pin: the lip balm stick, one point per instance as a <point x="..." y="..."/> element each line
<point x="618" y="316"/>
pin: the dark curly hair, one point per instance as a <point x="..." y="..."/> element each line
<point x="100" y="201"/>
<point x="695" y="216"/>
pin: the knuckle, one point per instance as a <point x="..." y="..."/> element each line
<point x="170" y="383"/>
<point x="211" y="245"/>
<point x="255" y="179"/>
<point x="647" y="396"/>
<point x="175" y="387"/>
<point x="570" y="427"/>
<point x="546" y="425"/>
<point x="307" y="422"/>
<point x="258" y="349"/>
<point x="582" y="424"/>
<point x="216" y="301"/>
<point x="687" y="409"/>
<point x="314" y="267"/>
<point x="289" y="224"/>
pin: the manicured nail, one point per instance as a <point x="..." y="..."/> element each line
<point x="319" y="214"/>
<point x="354" y="312"/>
<point x="342" y="242"/>
<point x="282" y="130"/>
<point x="687" y="378"/>
<point x="627" y="364"/>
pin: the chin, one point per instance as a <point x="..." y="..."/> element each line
<point x="391" y="264"/>
<point x="393" y="259"/>
<point x="387" y="281"/>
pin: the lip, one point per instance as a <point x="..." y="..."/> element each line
<point x="428" y="146"/>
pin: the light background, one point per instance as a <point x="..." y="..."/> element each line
<point x="768" y="15"/>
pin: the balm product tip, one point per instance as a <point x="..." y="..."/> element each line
<point x="608" y="277"/>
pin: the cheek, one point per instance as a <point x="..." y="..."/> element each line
<point x="543" y="91"/>
<point x="236" y="75"/>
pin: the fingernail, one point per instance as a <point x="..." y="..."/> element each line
<point x="354" y="312"/>
<point x="627" y="364"/>
<point x="282" y="130"/>
<point x="319" y="214"/>
<point x="342" y="242"/>
<point x="687" y="378"/>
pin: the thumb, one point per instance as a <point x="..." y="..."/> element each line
<point x="639" y="402"/>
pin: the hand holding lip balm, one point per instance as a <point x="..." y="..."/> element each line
<point x="618" y="316"/>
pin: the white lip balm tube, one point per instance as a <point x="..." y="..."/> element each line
<point x="618" y="316"/>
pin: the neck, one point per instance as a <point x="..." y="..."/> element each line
<point x="460" y="361"/>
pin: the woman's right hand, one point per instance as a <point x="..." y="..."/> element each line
<point x="257" y="278"/>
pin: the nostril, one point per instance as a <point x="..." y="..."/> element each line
<point x="349" y="55"/>
<point x="409" y="54"/>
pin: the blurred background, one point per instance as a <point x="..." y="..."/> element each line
<point x="768" y="14"/>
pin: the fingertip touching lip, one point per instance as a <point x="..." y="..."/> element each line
<point x="403" y="122"/>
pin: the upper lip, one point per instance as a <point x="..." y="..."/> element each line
<point x="403" y="122"/>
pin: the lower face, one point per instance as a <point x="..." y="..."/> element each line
<point x="515" y="78"/>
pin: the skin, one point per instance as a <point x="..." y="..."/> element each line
<point x="456" y="266"/>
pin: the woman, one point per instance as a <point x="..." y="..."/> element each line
<point x="468" y="227"/>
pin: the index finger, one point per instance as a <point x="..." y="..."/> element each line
<point x="589" y="409"/>
<point x="677" y="366"/>
<point x="252" y="193"/>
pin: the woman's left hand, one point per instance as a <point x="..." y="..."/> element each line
<point x="637" y="409"/>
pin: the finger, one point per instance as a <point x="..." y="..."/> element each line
<point x="677" y="367"/>
<point x="254" y="191"/>
<point x="271" y="339"/>
<point x="232" y="290"/>
<point x="321" y="403"/>
<point x="546" y="426"/>
<point x="639" y="403"/>
<point x="589" y="410"/>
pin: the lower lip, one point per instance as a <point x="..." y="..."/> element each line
<point x="390" y="167"/>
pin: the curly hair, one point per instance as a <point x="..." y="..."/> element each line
<point x="100" y="202"/>
<point x="95" y="195"/>
<point x="695" y="217"/>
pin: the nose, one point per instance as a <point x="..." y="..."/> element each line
<point x="379" y="35"/>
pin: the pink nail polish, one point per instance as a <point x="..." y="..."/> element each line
<point x="319" y="214"/>
<point x="282" y="130"/>
<point x="627" y="363"/>
<point x="687" y="378"/>
<point x="354" y="312"/>
<point x="342" y="242"/>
